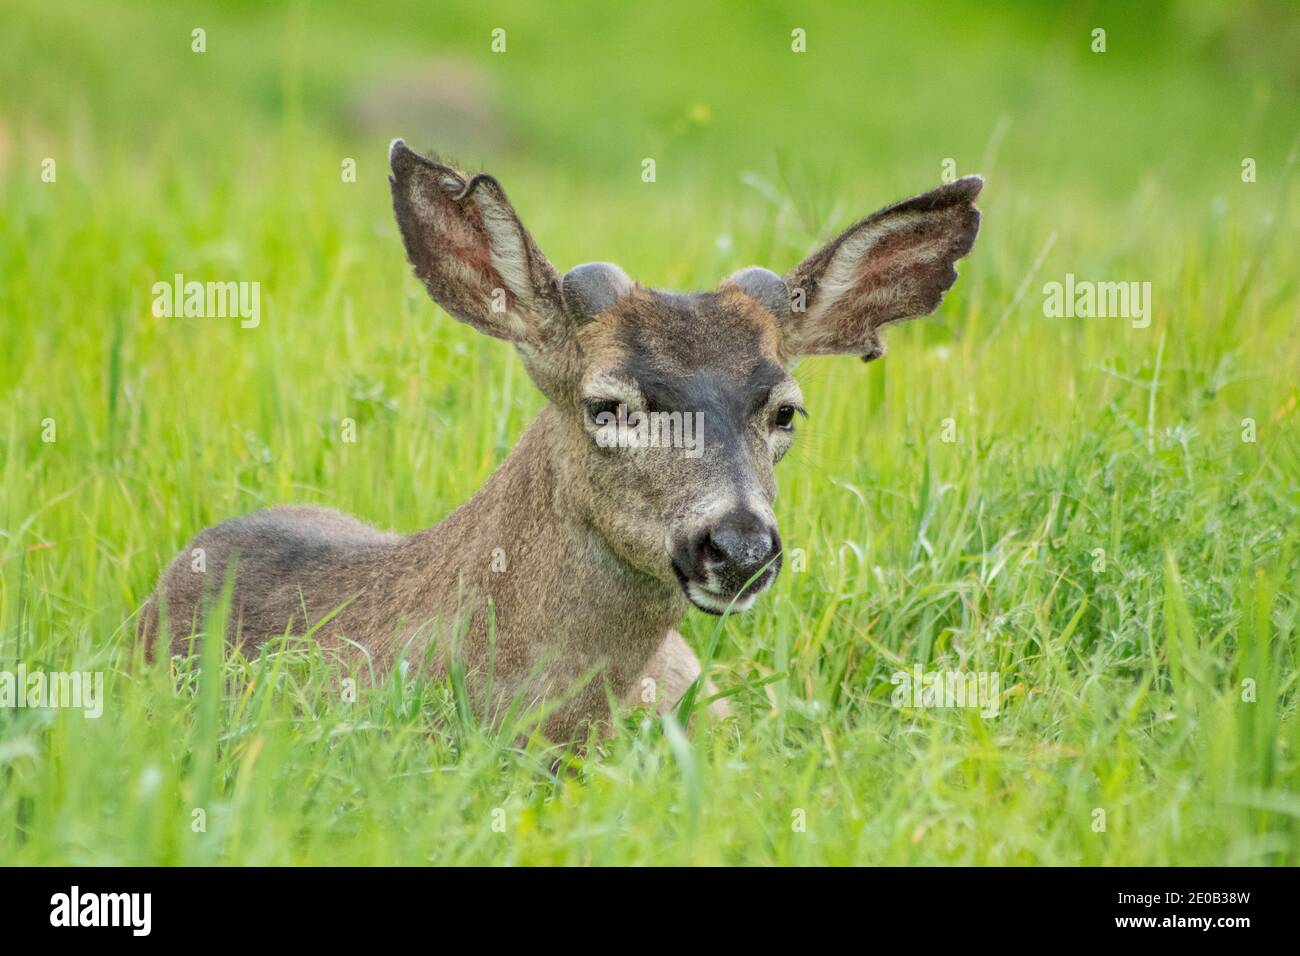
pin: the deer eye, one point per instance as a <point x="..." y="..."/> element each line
<point x="599" y="407"/>
<point x="785" y="417"/>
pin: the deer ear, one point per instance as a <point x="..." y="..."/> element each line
<point x="895" y="264"/>
<point x="469" y="248"/>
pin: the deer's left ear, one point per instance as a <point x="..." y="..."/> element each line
<point x="895" y="264"/>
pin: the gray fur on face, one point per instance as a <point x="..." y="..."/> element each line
<point x="592" y="288"/>
<point x="765" y="287"/>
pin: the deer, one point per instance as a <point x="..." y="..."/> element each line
<point x="565" y="578"/>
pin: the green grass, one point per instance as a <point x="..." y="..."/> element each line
<point x="1123" y="674"/>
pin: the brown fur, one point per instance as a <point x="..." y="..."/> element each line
<point x="599" y="544"/>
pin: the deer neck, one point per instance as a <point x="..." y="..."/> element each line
<point x="524" y="542"/>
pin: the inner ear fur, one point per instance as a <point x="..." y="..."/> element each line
<point x="893" y="265"/>
<point x="467" y="245"/>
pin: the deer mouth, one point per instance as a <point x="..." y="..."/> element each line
<point x="710" y="597"/>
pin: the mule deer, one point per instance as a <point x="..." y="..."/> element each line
<point x="605" y="545"/>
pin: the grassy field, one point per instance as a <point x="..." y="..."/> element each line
<point x="1078" y="505"/>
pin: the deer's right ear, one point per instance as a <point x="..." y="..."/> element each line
<point x="471" y="251"/>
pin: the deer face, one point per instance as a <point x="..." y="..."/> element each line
<point x="684" y="406"/>
<point x="675" y="408"/>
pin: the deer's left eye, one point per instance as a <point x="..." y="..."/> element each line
<point x="600" y="410"/>
<point x="785" y="417"/>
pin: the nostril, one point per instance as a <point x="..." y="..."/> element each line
<point x="706" y="550"/>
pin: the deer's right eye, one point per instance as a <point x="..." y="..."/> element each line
<point x="785" y="417"/>
<point x="598" y="409"/>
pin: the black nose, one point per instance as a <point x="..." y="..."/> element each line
<point x="736" y="549"/>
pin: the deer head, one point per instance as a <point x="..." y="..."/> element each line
<point x="675" y="407"/>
